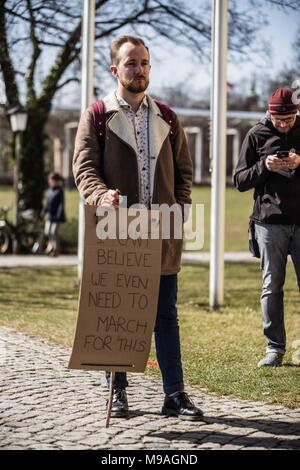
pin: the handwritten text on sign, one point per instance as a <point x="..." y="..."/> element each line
<point x="118" y="302"/>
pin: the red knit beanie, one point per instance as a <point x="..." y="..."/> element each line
<point x="281" y="102"/>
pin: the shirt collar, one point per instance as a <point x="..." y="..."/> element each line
<point x="123" y="103"/>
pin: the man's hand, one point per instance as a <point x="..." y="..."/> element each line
<point x="274" y="163"/>
<point x="292" y="161"/>
<point x="111" y="198"/>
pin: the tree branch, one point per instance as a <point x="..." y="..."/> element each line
<point x="12" y="92"/>
<point x="36" y="51"/>
<point x="292" y="4"/>
<point x="64" y="58"/>
<point x="69" y="80"/>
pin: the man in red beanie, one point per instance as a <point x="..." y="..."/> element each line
<point x="269" y="162"/>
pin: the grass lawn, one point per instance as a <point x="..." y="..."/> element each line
<point x="7" y="198"/>
<point x="238" y="209"/>
<point x="220" y="350"/>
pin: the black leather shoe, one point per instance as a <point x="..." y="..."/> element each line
<point x="119" y="407"/>
<point x="180" y="405"/>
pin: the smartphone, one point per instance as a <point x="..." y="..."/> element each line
<point x="283" y="153"/>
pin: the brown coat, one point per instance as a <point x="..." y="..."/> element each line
<point x="118" y="168"/>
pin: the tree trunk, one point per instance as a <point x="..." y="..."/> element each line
<point x="31" y="178"/>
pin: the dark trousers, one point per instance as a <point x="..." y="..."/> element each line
<point x="167" y="341"/>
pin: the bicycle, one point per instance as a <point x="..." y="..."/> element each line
<point x="26" y="234"/>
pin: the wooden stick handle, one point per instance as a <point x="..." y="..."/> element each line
<point x="109" y="405"/>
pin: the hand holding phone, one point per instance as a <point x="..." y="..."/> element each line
<point x="283" y="154"/>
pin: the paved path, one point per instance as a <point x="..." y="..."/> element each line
<point x="44" y="405"/>
<point x="9" y="261"/>
<point x="12" y="261"/>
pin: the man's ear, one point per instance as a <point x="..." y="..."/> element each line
<point x="114" y="70"/>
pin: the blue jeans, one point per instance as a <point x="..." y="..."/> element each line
<point x="275" y="243"/>
<point x="167" y="341"/>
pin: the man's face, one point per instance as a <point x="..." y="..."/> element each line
<point x="283" y="123"/>
<point x="133" y="67"/>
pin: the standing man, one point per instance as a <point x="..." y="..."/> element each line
<point x="269" y="162"/>
<point x="139" y="161"/>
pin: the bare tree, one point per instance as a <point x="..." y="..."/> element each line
<point x="34" y="33"/>
<point x="285" y="77"/>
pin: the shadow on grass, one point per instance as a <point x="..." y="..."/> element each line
<point x="289" y="364"/>
<point x="41" y="302"/>
<point x="202" y="305"/>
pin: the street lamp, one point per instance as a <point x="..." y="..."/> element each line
<point x="18" y="122"/>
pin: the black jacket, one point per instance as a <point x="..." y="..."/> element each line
<point x="54" y="205"/>
<point x="276" y="197"/>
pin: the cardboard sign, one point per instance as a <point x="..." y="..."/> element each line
<point x="118" y="297"/>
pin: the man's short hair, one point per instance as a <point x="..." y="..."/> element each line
<point x="118" y="43"/>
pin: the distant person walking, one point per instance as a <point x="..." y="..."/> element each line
<point x="269" y="162"/>
<point x="55" y="208"/>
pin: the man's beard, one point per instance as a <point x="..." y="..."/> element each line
<point x="285" y="130"/>
<point x="135" y="85"/>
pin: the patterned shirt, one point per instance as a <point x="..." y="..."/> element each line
<point x="139" y="121"/>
